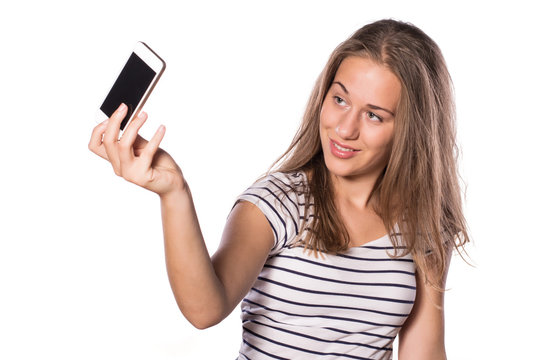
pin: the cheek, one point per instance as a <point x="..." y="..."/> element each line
<point x="323" y="118"/>
<point x="323" y="124"/>
<point x="380" y="139"/>
<point x="326" y="117"/>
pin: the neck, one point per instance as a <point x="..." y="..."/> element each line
<point x="355" y="191"/>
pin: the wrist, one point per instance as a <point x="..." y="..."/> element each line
<point x="179" y="193"/>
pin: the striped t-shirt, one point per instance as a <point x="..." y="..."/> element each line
<point x="345" y="306"/>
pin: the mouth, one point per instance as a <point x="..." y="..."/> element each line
<point x="342" y="147"/>
<point x="341" y="150"/>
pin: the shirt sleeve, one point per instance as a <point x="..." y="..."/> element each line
<point x="275" y="196"/>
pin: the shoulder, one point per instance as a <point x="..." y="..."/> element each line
<point x="281" y="198"/>
<point x="276" y="185"/>
<point x="285" y="182"/>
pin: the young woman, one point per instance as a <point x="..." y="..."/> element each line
<point x="346" y="243"/>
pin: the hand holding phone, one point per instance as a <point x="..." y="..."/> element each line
<point x="134" y="84"/>
<point x="132" y="157"/>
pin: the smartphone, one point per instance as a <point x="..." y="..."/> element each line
<point x="134" y="84"/>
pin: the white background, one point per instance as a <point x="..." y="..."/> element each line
<point x="82" y="272"/>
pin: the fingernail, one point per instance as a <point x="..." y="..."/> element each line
<point x="122" y="107"/>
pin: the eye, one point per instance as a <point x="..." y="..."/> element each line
<point x="374" y="117"/>
<point x="339" y="100"/>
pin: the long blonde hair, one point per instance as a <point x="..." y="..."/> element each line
<point x="419" y="189"/>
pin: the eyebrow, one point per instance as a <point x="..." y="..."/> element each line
<point x="375" y="107"/>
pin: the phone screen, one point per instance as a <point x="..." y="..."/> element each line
<point x="129" y="88"/>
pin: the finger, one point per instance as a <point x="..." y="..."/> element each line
<point x="140" y="144"/>
<point x="110" y="139"/>
<point x="128" y="137"/>
<point x="150" y="150"/>
<point x="113" y="129"/>
<point x="96" y="140"/>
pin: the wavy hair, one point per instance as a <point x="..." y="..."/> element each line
<point x="418" y="192"/>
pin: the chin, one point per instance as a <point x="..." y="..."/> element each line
<point x="344" y="173"/>
<point x="341" y="170"/>
<point x="345" y="170"/>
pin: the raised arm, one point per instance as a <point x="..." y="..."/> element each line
<point x="206" y="289"/>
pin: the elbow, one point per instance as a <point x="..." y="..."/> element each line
<point x="203" y="313"/>
<point x="202" y="324"/>
<point x="203" y="319"/>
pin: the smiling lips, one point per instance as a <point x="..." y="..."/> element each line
<point x="342" y="151"/>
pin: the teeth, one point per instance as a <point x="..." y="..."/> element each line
<point x="342" y="148"/>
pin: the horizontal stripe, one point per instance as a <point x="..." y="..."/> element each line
<point x="341" y="331"/>
<point x="328" y="306"/>
<point x="263" y="352"/>
<point x="346" y="269"/>
<point x="373" y="259"/>
<point x="338" y="281"/>
<point x="361" y="332"/>
<point x="319" y="316"/>
<point x="383" y="247"/>
<point x="304" y="350"/>
<point x="322" y="340"/>
<point x="319" y="292"/>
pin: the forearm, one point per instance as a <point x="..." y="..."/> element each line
<point x="198" y="291"/>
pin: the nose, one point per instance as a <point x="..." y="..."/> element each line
<point x="348" y="127"/>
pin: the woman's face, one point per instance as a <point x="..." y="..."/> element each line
<point x="357" y="118"/>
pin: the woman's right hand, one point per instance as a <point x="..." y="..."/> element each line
<point x="206" y="289"/>
<point x="135" y="159"/>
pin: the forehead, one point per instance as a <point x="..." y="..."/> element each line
<point x="369" y="82"/>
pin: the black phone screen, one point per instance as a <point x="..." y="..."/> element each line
<point x="129" y="88"/>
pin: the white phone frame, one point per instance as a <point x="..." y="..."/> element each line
<point x="156" y="63"/>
